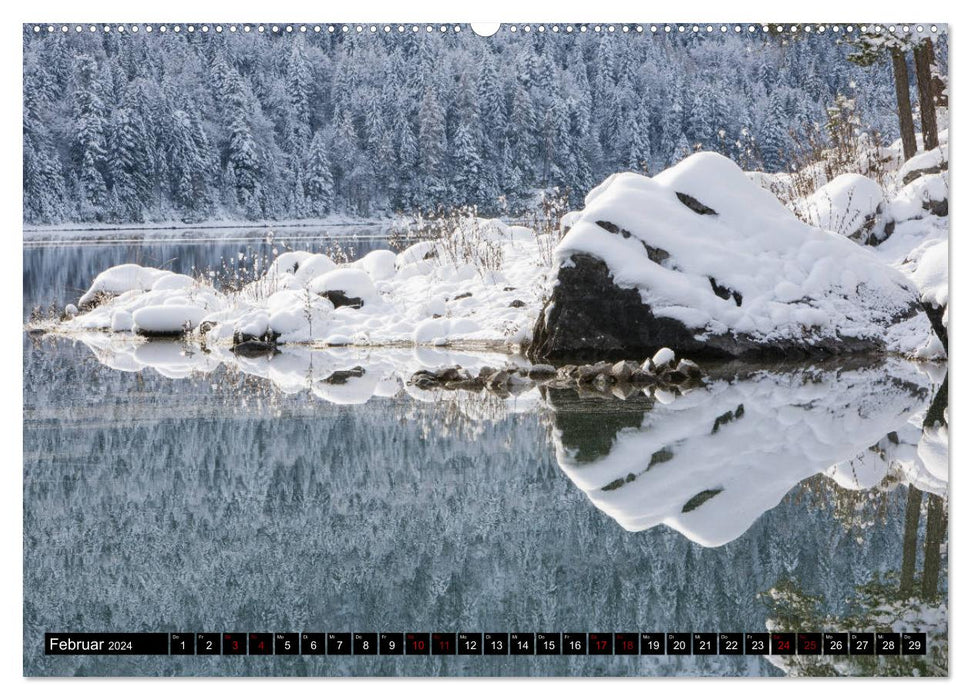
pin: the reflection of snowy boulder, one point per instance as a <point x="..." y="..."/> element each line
<point x="850" y="205"/>
<point x="345" y="287"/>
<point x="709" y="463"/>
<point x="702" y="260"/>
<point x="353" y="385"/>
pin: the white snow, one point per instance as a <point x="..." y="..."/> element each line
<point x="746" y="443"/>
<point x="796" y="281"/>
<point x="352" y="282"/>
<point x="909" y="202"/>
<point x="663" y="357"/>
<point x="167" y="318"/>
<point x="378" y="264"/>
<point x="122" y="278"/>
<point x="844" y="204"/>
<point x="434" y="293"/>
<point x="925" y="160"/>
<point x="486" y="283"/>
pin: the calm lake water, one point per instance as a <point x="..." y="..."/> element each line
<point x="167" y="490"/>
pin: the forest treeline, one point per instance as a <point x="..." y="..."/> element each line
<point x="127" y="127"/>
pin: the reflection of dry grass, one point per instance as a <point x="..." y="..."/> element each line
<point x="461" y="414"/>
<point x="856" y="510"/>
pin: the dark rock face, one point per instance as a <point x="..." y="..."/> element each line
<point x="937" y="208"/>
<point x="694" y="205"/>
<point x="255" y="348"/>
<point x="590" y="318"/>
<point x="936" y="315"/>
<point x="339" y="299"/>
<point x="342" y="376"/>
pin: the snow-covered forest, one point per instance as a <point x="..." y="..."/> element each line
<point x="125" y="127"/>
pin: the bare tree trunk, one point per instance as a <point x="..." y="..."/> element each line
<point x="901" y="80"/>
<point x="923" y="57"/>
<point x="936" y="529"/>
<point x="911" y="522"/>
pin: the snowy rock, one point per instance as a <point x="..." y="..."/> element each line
<point x="924" y="163"/>
<point x="70" y="311"/>
<point x="927" y="193"/>
<point x="121" y="321"/>
<point x="850" y="205"/>
<point x="167" y="319"/>
<point x="927" y="267"/>
<point x="172" y="281"/>
<point x="118" y="280"/>
<point x="702" y="260"/>
<point x="662" y="358"/>
<point x="309" y="268"/>
<point x="345" y="287"/>
<point x="379" y="264"/>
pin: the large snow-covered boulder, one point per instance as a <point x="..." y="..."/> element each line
<point x="702" y="260"/>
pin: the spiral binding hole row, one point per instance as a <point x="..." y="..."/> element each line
<point x="526" y="28"/>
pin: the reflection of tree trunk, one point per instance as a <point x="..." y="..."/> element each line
<point x="936" y="528"/>
<point x="901" y="79"/>
<point x="935" y="413"/>
<point x="923" y="57"/>
<point x="911" y="522"/>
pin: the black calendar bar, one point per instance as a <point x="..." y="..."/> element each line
<point x="485" y="643"/>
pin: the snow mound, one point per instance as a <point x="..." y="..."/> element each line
<point x="929" y="272"/>
<point x="719" y="267"/>
<point x="379" y="264"/>
<point x="849" y="205"/>
<point x="120" y="279"/>
<point x="355" y="286"/>
<point x="924" y="163"/>
<point x="167" y="319"/>
<point x="927" y="193"/>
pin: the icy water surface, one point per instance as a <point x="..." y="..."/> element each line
<point x="170" y="489"/>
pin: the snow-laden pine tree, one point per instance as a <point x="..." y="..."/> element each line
<point x="775" y="140"/>
<point x="466" y="145"/>
<point x="432" y="148"/>
<point x="89" y="148"/>
<point x="192" y="165"/>
<point x="318" y="180"/>
<point x="552" y="110"/>
<point x="44" y="195"/>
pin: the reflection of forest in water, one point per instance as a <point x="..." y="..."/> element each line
<point x="248" y="497"/>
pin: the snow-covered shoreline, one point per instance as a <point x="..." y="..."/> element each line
<point x="724" y="260"/>
<point x="72" y="227"/>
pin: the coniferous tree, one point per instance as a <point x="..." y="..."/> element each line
<point x="89" y="138"/>
<point x="432" y="147"/>
<point x="319" y="181"/>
